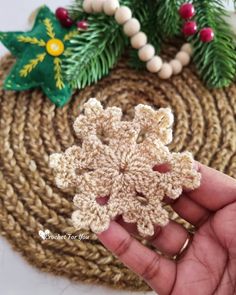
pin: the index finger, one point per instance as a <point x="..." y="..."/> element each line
<point x="153" y="268"/>
<point x="216" y="191"/>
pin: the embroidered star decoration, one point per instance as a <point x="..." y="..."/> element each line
<point x="40" y="54"/>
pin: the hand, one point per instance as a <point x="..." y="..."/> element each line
<point x="208" y="265"/>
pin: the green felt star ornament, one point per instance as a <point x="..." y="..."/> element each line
<point x="40" y="54"/>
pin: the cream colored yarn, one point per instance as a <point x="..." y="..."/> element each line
<point x="116" y="160"/>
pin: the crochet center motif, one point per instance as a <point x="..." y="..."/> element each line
<point x="121" y="161"/>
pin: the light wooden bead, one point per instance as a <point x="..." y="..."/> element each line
<point x="154" y="65"/>
<point x="139" y="40"/>
<point x="146" y="52"/>
<point x="110" y="6"/>
<point x="176" y="66"/>
<point x="97" y="6"/>
<point x="131" y="27"/>
<point x="122" y="15"/>
<point x="87" y="6"/>
<point x="187" y="48"/>
<point x="166" y="71"/>
<point x="183" y="57"/>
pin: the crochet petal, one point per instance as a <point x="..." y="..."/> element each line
<point x="155" y="124"/>
<point x="81" y="220"/>
<point x="145" y="227"/>
<point x="96" y="120"/>
<point x="123" y="133"/>
<point x="181" y="175"/>
<point x="65" y="166"/>
<point x="99" y="182"/>
<point x="146" y="213"/>
<point x="152" y="152"/>
<point x="130" y="217"/>
<point x="159" y="216"/>
<point x="190" y="177"/>
<point x="90" y="214"/>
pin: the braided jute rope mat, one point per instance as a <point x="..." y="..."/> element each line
<point x="31" y="128"/>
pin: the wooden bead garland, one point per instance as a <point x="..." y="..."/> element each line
<point x="176" y="66"/>
<point x="146" y="53"/>
<point x="183" y="57"/>
<point x="139" y="40"/>
<point x="122" y="15"/>
<point x="110" y="6"/>
<point x="154" y="65"/>
<point x="166" y="71"/>
<point x="97" y="6"/>
<point x="87" y="6"/>
<point x="131" y="27"/>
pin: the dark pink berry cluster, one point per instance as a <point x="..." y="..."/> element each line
<point x="187" y="12"/>
<point x="62" y="15"/>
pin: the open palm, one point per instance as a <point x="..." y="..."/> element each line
<point x="208" y="266"/>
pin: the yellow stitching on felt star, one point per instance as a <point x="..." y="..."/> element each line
<point x="31" y="40"/>
<point x="58" y="75"/>
<point x="48" y="24"/>
<point x="70" y="35"/>
<point x="32" y="64"/>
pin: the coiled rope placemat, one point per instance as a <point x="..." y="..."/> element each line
<point x="31" y="128"/>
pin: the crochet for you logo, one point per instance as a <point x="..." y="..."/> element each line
<point x="47" y="235"/>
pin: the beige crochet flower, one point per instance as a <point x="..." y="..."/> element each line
<point x="119" y="160"/>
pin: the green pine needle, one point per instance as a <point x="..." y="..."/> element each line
<point x="215" y="61"/>
<point x="94" y="52"/>
<point x="167" y="18"/>
<point x="76" y="11"/>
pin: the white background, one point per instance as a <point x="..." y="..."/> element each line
<point x="16" y="276"/>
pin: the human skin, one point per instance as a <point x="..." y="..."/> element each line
<point x="208" y="265"/>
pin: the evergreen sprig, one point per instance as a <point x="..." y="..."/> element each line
<point x="167" y="18"/>
<point x="76" y="10"/>
<point x="215" y="61"/>
<point x="94" y="52"/>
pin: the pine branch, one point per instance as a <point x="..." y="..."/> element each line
<point x="94" y="52"/>
<point x="216" y="61"/>
<point x="168" y="20"/>
<point x="76" y="11"/>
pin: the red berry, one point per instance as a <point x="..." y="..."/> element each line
<point x="68" y="22"/>
<point x="206" y="35"/>
<point x="187" y="11"/>
<point x="62" y="13"/>
<point x="189" y="28"/>
<point x="82" y="25"/>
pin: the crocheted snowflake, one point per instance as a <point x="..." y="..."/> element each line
<point x="119" y="160"/>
